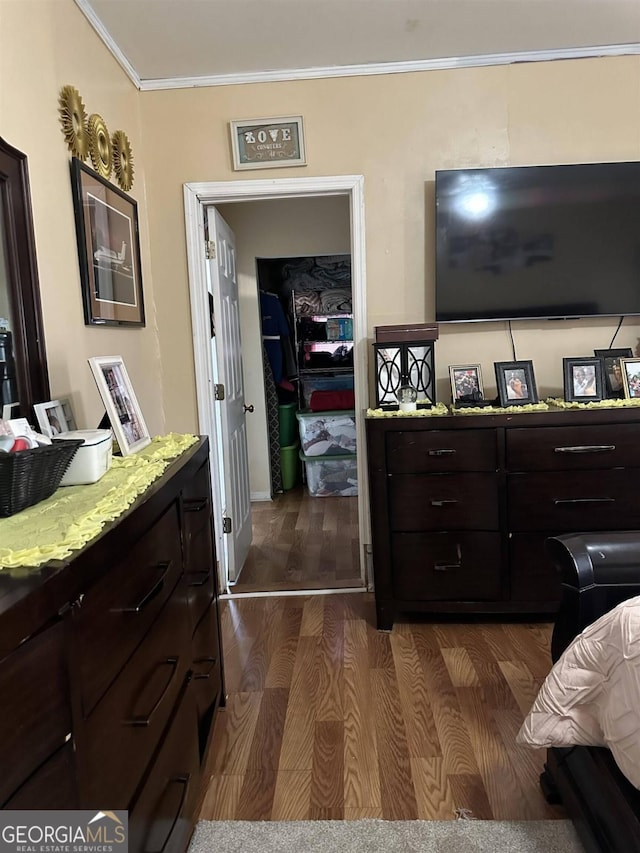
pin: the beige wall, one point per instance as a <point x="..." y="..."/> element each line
<point x="44" y="46"/>
<point x="275" y="229"/>
<point x="396" y="130"/>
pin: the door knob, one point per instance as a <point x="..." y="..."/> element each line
<point x="248" y="408"/>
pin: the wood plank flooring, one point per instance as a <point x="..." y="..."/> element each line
<point x="302" y="542"/>
<point x="328" y="718"/>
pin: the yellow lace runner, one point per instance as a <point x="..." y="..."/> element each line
<point x="74" y="515"/>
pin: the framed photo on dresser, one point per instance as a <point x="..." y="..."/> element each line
<point x="611" y="358"/>
<point x="516" y="383"/>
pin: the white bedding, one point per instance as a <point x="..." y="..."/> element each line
<point x="591" y="696"/>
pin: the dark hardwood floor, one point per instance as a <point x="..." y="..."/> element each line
<point x="302" y="542"/>
<point x="328" y="718"/>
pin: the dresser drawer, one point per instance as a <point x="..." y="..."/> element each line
<point x="36" y="713"/>
<point x="571" y="448"/>
<point x="52" y="786"/>
<point x="161" y="818"/>
<point x="446" y="566"/>
<point x="125" y="727"/>
<point x="196" y="504"/>
<point x="443" y="501"/>
<point x="121" y="608"/>
<point x="199" y="574"/>
<point x="441" y="450"/>
<point x="206" y="665"/>
<point x="578" y="500"/>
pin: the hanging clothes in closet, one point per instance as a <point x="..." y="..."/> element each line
<point x="276" y="338"/>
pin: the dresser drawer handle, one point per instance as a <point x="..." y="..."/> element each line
<point x="145" y="719"/>
<point x="442" y="452"/>
<point x="586" y="448"/>
<point x="446" y="567"/>
<point x="210" y="661"/>
<point x="148" y="596"/>
<point x="183" y="780"/>
<point x="560" y="501"/>
<point x="195" y="504"/>
<point x="443" y="503"/>
<point x="198" y="578"/>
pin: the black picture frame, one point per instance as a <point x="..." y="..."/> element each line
<point x="516" y="383"/>
<point x="613" y="381"/>
<point x="583" y="380"/>
<point x="108" y="250"/>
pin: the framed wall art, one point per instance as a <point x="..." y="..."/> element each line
<point x="54" y="417"/>
<point x="516" y="383"/>
<point x="583" y="379"/>
<point x="265" y="143"/>
<point x="120" y="403"/>
<point x="466" y="382"/>
<point x="613" y="369"/>
<point x="108" y="250"/>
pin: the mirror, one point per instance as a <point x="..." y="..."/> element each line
<point x="23" y="367"/>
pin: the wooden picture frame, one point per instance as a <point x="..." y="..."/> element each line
<point x="120" y="402"/>
<point x="466" y="382"/>
<point x="54" y="417"/>
<point x="583" y="380"/>
<point x="631" y="377"/>
<point x="267" y="143"/>
<point x="108" y="250"/>
<point x="516" y="383"/>
<point x="611" y="358"/>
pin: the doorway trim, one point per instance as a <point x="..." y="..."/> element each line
<point x="199" y="195"/>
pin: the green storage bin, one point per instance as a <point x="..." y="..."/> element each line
<point x="287" y="423"/>
<point x="290" y="465"/>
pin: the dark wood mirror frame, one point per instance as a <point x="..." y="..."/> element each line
<point x="22" y="280"/>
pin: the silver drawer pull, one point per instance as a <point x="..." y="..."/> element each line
<point x="443" y="452"/>
<point x="586" y="448"/>
<point x="148" y="596"/>
<point x="446" y="567"/>
<point x="145" y="719"/>
<point x="195" y="504"/>
<point x="443" y="503"/>
<point x="560" y="501"/>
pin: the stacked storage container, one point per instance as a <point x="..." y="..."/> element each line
<point x="328" y="450"/>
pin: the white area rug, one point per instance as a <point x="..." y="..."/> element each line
<point x="381" y="836"/>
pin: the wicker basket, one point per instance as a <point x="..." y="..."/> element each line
<point x="29" y="476"/>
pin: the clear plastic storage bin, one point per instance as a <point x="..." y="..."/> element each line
<point x="327" y="433"/>
<point x="325" y="383"/>
<point x="331" y="476"/>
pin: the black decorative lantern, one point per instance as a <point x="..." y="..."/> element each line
<point x="405" y="357"/>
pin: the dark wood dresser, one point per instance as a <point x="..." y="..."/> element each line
<point x="111" y="666"/>
<point x="461" y="504"/>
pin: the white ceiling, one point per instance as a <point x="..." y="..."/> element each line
<point x="165" y="43"/>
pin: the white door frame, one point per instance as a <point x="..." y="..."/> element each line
<point x="199" y="195"/>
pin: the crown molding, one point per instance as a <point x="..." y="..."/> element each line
<point x="110" y="44"/>
<point x="362" y="70"/>
<point x="369" y="69"/>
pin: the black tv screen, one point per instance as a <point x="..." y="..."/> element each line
<point x="538" y="242"/>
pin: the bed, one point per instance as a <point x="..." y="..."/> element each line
<point x="591" y="694"/>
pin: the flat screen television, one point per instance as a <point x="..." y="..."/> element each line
<point x="530" y="242"/>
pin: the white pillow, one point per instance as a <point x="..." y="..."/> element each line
<point x="591" y="696"/>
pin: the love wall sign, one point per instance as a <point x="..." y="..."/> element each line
<point x="267" y="142"/>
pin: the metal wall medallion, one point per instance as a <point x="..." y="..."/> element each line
<point x="122" y="160"/>
<point x="73" y="118"/>
<point x="100" y="145"/>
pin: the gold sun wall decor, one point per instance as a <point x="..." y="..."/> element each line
<point x="73" y="118"/>
<point x="122" y="159"/>
<point x="100" y="145"/>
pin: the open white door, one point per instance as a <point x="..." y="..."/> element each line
<point x="228" y="352"/>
